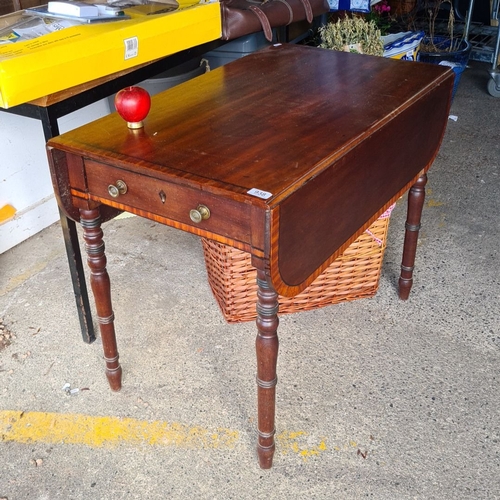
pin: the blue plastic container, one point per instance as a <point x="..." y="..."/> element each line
<point x="456" y="59"/>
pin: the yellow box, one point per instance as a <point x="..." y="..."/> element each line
<point x="79" y="54"/>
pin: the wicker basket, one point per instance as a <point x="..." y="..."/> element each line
<point x="354" y="275"/>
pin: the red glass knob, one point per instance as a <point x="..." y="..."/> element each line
<point x="133" y="105"/>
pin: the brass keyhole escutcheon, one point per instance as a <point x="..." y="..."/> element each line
<point x="201" y="212"/>
<point x="118" y="188"/>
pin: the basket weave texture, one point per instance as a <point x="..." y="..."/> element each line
<point x="354" y="275"/>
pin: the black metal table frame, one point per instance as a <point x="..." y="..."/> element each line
<point x="48" y="116"/>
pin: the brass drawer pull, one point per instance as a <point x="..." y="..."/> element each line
<point x="201" y="212"/>
<point x="116" y="189"/>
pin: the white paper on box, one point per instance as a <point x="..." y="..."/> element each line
<point x="76" y="9"/>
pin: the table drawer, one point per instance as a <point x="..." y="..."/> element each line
<point x="173" y="201"/>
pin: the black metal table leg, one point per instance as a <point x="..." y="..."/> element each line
<point x="78" y="278"/>
<point x="70" y="234"/>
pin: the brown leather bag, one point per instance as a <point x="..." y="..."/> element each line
<point x="242" y="17"/>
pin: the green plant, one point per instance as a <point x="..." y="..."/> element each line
<point x="381" y="15"/>
<point x="352" y="34"/>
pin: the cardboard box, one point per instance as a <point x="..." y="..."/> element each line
<point x="8" y="6"/>
<point x="79" y="54"/>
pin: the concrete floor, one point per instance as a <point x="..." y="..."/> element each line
<point x="376" y="398"/>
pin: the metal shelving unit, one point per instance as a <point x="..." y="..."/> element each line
<point x="485" y="42"/>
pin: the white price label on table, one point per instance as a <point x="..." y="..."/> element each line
<point x="259" y="193"/>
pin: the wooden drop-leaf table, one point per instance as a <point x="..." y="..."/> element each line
<point x="288" y="153"/>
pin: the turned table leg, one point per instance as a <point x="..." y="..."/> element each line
<point x="99" y="281"/>
<point x="266" y="346"/>
<point x="416" y="198"/>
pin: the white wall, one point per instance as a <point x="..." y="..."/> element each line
<point x="24" y="172"/>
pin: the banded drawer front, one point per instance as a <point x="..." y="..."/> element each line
<point x="179" y="203"/>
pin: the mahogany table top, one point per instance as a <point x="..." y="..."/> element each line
<point x="333" y="139"/>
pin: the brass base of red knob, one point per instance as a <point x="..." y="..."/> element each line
<point x="135" y="125"/>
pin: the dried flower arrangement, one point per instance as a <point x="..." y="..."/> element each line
<point x="352" y="34"/>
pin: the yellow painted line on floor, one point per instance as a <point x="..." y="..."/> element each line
<point x="434" y="203"/>
<point x="15" y="281"/>
<point x="36" y="268"/>
<point x="95" y="432"/>
<point x="299" y="442"/>
<point x="108" y="432"/>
